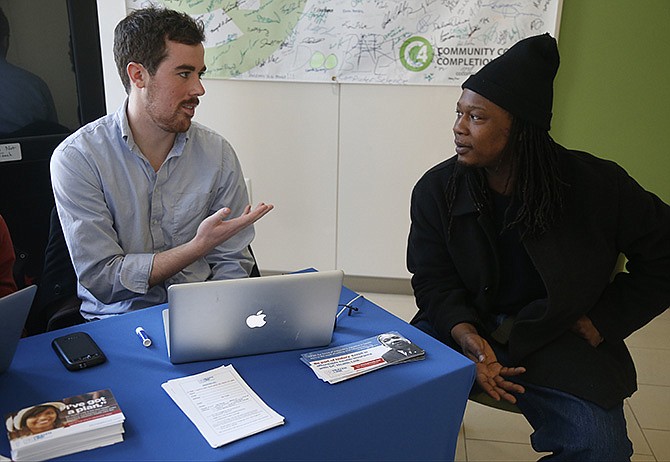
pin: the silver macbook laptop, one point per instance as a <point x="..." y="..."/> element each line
<point x="238" y="317"/>
<point x="14" y="310"/>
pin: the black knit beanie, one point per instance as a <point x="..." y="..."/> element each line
<point x="521" y="80"/>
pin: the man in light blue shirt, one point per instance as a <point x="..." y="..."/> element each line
<point x="145" y="195"/>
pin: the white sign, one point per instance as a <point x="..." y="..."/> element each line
<point x="10" y="152"/>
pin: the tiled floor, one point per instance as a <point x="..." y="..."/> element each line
<point x="489" y="434"/>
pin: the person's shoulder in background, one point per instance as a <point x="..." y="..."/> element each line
<point x="7" y="259"/>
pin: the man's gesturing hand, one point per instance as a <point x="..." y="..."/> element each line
<point x="218" y="228"/>
<point x="213" y="230"/>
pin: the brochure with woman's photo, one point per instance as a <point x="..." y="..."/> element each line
<point x="343" y="362"/>
<point x="57" y="428"/>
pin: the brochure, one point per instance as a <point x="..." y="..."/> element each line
<point x="221" y="405"/>
<point x="343" y="362"/>
<point x="57" y="428"/>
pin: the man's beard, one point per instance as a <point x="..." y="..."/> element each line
<point x="463" y="169"/>
<point x="176" y="122"/>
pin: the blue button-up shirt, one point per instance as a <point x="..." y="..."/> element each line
<point x="117" y="212"/>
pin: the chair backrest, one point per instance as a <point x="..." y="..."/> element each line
<point x="57" y="289"/>
<point x="620" y="266"/>
<point x="255" y="272"/>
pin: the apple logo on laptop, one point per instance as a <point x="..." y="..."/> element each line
<point x="256" y="320"/>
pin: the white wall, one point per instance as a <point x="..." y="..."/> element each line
<point x="389" y="136"/>
<point x="338" y="161"/>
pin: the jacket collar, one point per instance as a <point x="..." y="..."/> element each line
<point x="463" y="203"/>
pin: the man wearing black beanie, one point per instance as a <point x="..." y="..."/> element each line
<point x="512" y="246"/>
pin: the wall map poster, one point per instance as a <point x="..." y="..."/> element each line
<point x="429" y="42"/>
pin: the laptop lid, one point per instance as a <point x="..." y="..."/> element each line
<point x="14" y="310"/>
<point x="238" y="317"/>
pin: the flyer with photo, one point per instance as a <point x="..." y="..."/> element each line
<point x="57" y="428"/>
<point x="353" y="359"/>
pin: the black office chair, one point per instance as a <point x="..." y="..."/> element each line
<point x="56" y="304"/>
<point x="19" y="269"/>
<point x="255" y="272"/>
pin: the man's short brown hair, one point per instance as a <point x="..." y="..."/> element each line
<point x="141" y="38"/>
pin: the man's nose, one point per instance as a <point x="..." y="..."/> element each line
<point x="460" y="126"/>
<point x="198" y="88"/>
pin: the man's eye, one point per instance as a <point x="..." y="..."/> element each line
<point x="184" y="74"/>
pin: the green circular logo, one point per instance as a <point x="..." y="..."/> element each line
<point x="416" y="54"/>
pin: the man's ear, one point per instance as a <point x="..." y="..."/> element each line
<point x="137" y="74"/>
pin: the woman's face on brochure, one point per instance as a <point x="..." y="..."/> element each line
<point x="42" y="422"/>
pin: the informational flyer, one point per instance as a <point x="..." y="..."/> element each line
<point x="343" y="362"/>
<point x="57" y="428"/>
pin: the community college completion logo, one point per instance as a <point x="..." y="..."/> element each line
<point x="416" y="54"/>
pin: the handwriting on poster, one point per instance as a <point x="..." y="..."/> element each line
<point x="430" y="42"/>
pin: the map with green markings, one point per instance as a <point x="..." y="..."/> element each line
<point x="428" y="42"/>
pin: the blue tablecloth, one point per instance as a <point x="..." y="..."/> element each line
<point x="405" y="412"/>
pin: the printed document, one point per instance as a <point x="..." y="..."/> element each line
<point x="221" y="405"/>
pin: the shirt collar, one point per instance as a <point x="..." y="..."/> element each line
<point x="122" y="119"/>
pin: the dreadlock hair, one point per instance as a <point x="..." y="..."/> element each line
<point x="537" y="188"/>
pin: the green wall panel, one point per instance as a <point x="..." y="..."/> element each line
<point x="612" y="92"/>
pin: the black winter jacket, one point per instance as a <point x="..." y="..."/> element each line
<point x="605" y="213"/>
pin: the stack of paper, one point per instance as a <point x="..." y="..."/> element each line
<point x="343" y="362"/>
<point x="221" y="405"/>
<point x="58" y="428"/>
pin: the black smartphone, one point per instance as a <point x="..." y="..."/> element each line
<point x="78" y="351"/>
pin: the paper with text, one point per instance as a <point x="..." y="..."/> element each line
<point x="221" y="405"/>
